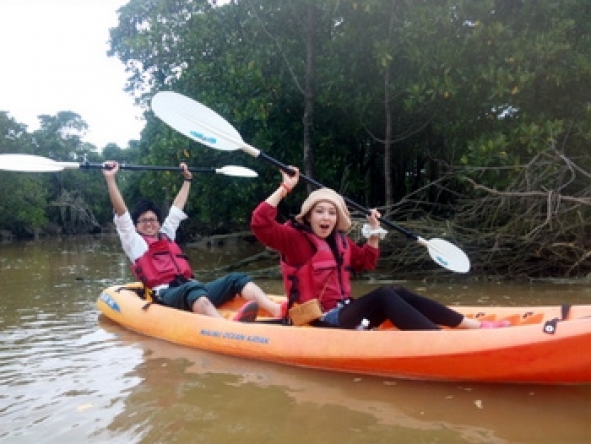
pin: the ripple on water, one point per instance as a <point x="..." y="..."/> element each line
<point x="62" y="371"/>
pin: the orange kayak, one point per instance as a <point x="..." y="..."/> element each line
<point x="544" y="345"/>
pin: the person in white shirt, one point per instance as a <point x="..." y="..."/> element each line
<point x="159" y="262"/>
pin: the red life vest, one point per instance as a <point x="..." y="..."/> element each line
<point x="162" y="263"/>
<point x="323" y="277"/>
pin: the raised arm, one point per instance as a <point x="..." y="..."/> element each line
<point x="287" y="184"/>
<point x="114" y="193"/>
<point x="181" y="198"/>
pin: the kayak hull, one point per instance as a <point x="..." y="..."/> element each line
<point x="540" y="347"/>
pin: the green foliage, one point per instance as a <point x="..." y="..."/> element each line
<point x="22" y="207"/>
<point x="485" y="84"/>
<point x="32" y="200"/>
<point x="503" y="79"/>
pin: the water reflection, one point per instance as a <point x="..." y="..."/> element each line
<point x="68" y="375"/>
<point x="207" y="393"/>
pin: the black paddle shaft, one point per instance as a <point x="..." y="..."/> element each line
<point x="126" y="166"/>
<point x="349" y="202"/>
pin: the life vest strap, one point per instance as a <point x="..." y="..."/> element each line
<point x="145" y="293"/>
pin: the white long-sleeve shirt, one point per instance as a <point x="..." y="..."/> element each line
<point x="133" y="243"/>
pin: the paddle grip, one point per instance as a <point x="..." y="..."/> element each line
<point x="392" y="225"/>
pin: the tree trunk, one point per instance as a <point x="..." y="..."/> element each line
<point x="388" y="140"/>
<point x="309" y="93"/>
<point x="388" y="192"/>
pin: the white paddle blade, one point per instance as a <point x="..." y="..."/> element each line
<point x="28" y="163"/>
<point x="448" y="255"/>
<point x="196" y="121"/>
<point x="237" y="171"/>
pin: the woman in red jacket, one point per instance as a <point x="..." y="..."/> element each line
<point x="317" y="260"/>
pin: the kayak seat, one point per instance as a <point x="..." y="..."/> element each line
<point x="483" y="317"/>
<point x="530" y="318"/>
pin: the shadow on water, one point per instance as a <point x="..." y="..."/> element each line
<point x="69" y="375"/>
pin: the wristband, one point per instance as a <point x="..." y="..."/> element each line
<point x="367" y="231"/>
<point x="189" y="180"/>
<point x="286" y="188"/>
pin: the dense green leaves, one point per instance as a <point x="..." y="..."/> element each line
<point x="30" y="201"/>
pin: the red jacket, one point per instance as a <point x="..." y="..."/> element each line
<point x="296" y="249"/>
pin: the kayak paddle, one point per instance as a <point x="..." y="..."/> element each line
<point x="202" y="124"/>
<point x="38" y="164"/>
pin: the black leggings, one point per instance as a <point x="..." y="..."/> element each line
<point x="405" y="309"/>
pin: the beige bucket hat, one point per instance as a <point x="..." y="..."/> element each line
<point x="328" y="195"/>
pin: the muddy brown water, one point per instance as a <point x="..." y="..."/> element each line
<point x="69" y="375"/>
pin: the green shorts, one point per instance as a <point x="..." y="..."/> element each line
<point x="218" y="292"/>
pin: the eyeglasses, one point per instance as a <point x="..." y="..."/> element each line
<point x="148" y="220"/>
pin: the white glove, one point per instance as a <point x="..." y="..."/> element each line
<point x="367" y="231"/>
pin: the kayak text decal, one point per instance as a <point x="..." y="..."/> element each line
<point x="107" y="299"/>
<point x="234" y="336"/>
